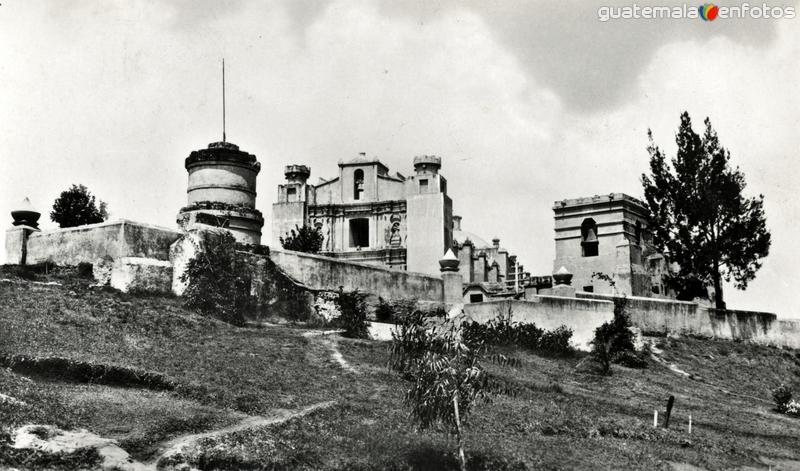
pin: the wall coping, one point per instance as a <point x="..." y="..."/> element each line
<point x="116" y="222"/>
<point x="570" y="298"/>
<point x="358" y="264"/>
<point x="588" y="295"/>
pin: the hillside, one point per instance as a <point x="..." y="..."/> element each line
<point x="167" y="384"/>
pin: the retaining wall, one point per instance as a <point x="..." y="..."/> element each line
<point x="324" y="273"/>
<point x="96" y="242"/>
<point x="583" y="316"/>
<point x="665" y="316"/>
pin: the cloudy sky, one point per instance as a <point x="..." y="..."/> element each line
<point x="527" y="103"/>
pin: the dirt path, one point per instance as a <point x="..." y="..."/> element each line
<point x="330" y="344"/>
<point x="50" y="439"/>
<point x="179" y="444"/>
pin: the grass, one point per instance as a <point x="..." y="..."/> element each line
<point x="560" y="417"/>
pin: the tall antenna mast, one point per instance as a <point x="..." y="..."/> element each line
<point x="223" y="99"/>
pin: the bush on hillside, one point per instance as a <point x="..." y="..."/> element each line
<point x="613" y="341"/>
<point x="218" y="280"/>
<point x="782" y="396"/>
<point x="353" y="318"/>
<point x="503" y="331"/>
<point x="394" y="310"/>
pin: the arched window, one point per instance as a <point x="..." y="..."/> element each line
<point x="358" y="184"/>
<point x="589" y="243"/>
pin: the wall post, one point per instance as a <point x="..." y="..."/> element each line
<point x="452" y="282"/>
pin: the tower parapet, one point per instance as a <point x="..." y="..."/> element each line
<point x="222" y="191"/>
<point x="427" y="164"/>
<point x="297" y="173"/>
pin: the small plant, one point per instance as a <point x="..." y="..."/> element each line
<point x="782" y="396"/>
<point x="353" y="318"/>
<point x="444" y="372"/>
<point x="303" y="239"/>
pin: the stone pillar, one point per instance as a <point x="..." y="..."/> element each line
<point x="563" y="283"/>
<point x="452" y="289"/>
<point x="26" y="221"/>
<point x="17" y="244"/>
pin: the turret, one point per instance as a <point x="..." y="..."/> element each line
<point x="222" y="191"/>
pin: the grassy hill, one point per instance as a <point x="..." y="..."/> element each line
<point x="148" y="373"/>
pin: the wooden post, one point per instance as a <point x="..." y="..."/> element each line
<point x="462" y="459"/>
<point x="655" y="418"/>
<point x="690" y="424"/>
<point x="670" y="403"/>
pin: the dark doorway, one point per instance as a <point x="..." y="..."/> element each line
<point x="359" y="232"/>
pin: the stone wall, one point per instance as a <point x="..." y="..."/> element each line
<point x="687" y="318"/>
<point x="95" y="242"/>
<point x="583" y="316"/>
<point x="328" y="274"/>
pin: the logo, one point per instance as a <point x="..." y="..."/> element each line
<point x="708" y="12"/>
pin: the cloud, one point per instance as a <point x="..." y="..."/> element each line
<point x="527" y="104"/>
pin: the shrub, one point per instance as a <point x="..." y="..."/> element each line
<point x="353" y="318"/>
<point x="556" y="342"/>
<point x="303" y="239"/>
<point x="503" y="332"/>
<point x="218" y="280"/>
<point x="613" y="341"/>
<point x="394" y="310"/>
<point x="85" y="270"/>
<point x="782" y="395"/>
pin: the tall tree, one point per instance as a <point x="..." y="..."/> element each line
<point x="700" y="215"/>
<point x="76" y="207"/>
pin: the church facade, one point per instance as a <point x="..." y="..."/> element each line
<point x="371" y="215"/>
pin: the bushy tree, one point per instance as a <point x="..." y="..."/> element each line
<point x="218" y="280"/>
<point x="353" y="317"/>
<point x="303" y="239"/>
<point x="615" y="338"/>
<point x="77" y="207"/>
<point x="700" y="216"/>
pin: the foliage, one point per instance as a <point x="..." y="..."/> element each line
<point x="76" y="207"/>
<point x="700" y="216"/>
<point x="445" y="375"/>
<point x="613" y="341"/>
<point x="303" y="239"/>
<point x="782" y="396"/>
<point x="353" y="318"/>
<point x="218" y="280"/>
<point x="556" y="342"/>
<point x="394" y="310"/>
<point x="503" y="331"/>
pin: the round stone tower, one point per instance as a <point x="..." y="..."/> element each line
<point x="222" y="191"/>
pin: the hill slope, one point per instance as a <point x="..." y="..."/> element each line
<point x="149" y="374"/>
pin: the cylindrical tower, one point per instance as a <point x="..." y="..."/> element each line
<point x="222" y="191"/>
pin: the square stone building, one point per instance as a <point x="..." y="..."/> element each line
<point x="608" y="234"/>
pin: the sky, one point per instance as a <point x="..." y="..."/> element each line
<point x="526" y="102"/>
